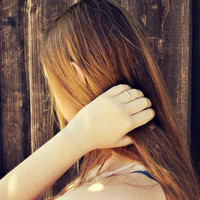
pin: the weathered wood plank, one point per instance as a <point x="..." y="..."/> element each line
<point x="13" y="85"/>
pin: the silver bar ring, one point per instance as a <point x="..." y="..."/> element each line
<point x="129" y="95"/>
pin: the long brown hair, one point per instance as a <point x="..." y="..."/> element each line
<point x="111" y="48"/>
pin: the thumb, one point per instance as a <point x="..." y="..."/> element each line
<point x="126" y="140"/>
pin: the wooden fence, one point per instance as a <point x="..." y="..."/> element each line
<point x="173" y="30"/>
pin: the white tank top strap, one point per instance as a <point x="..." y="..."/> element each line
<point x="133" y="166"/>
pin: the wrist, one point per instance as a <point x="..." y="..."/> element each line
<point x="75" y="132"/>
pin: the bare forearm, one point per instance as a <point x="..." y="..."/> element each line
<point x="39" y="171"/>
<point x="91" y="128"/>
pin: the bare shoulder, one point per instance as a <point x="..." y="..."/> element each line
<point x="129" y="187"/>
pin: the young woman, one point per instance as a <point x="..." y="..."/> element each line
<point x="92" y="47"/>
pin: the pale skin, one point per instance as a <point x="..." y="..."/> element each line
<point x="31" y="178"/>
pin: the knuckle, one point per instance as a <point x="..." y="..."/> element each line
<point x="123" y="87"/>
<point x="141" y="93"/>
<point x="107" y="99"/>
<point x="138" y="93"/>
<point x="115" y="106"/>
<point x="120" y="109"/>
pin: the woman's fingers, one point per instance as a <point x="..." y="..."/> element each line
<point x="130" y="95"/>
<point x="117" y="89"/>
<point x="142" y="118"/>
<point x="138" y="105"/>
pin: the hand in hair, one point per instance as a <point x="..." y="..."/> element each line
<point x="107" y="119"/>
<point x="103" y="123"/>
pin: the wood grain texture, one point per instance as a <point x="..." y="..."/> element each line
<point x="14" y="115"/>
<point x="24" y="102"/>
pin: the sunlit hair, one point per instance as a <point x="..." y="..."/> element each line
<point x="111" y="48"/>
